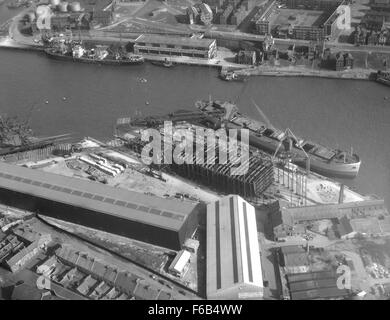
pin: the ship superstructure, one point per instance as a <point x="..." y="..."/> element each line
<point x="323" y="160"/>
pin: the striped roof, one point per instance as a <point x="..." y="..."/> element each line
<point x="233" y="255"/>
<point x="135" y="206"/>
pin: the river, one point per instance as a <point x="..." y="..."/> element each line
<point x="338" y="113"/>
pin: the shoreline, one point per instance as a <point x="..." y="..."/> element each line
<point x="353" y="74"/>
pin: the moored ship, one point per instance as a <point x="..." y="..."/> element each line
<point x="233" y="76"/>
<point x="97" y="54"/>
<point x="323" y="160"/>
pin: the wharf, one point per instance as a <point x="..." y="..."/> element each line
<point x="8" y="43"/>
<point x="222" y="61"/>
<point x="354" y="74"/>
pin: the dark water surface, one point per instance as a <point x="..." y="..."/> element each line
<point x="338" y="113"/>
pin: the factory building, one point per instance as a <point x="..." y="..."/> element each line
<point x="167" y="223"/>
<point x="315" y="285"/>
<point x="369" y="213"/>
<point x="294" y="259"/>
<point x="233" y="254"/>
<point x="315" y="20"/>
<point x="175" y="46"/>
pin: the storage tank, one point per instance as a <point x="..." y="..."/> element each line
<point x="55" y="2"/>
<point x="63" y="7"/>
<point x="75" y="6"/>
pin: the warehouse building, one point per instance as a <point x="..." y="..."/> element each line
<point x="294" y="259"/>
<point x="167" y="223"/>
<point x="368" y="216"/>
<point x="175" y="46"/>
<point x="233" y="255"/>
<point x="315" y="285"/>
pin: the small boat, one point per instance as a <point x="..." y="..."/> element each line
<point x="166" y="63"/>
<point x="233" y="76"/>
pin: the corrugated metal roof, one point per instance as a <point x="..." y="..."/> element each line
<point x="180" y="41"/>
<point x="310" y="276"/>
<point x="312" y="284"/>
<point x="324" y="293"/>
<point x="232" y="245"/>
<point x="126" y="204"/>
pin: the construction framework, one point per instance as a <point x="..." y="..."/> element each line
<point x="215" y="171"/>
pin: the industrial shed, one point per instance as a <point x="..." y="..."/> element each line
<point x="163" y="222"/>
<point x="315" y="285"/>
<point x="233" y="254"/>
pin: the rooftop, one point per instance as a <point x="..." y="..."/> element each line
<point x="328" y="211"/>
<point x="167" y="213"/>
<point x="232" y="245"/>
<point x="322" y="293"/>
<point x="179" y="41"/>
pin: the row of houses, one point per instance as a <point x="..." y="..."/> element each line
<point x="96" y="270"/>
<point x="266" y="20"/>
<point x="364" y="36"/>
<point x="16" y="252"/>
<point x="75" y="20"/>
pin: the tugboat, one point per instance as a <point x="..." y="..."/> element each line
<point x="166" y="63"/>
<point x="383" y="77"/>
<point x="99" y="54"/>
<point x="233" y="76"/>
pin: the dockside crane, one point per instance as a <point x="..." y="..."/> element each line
<point x="287" y="157"/>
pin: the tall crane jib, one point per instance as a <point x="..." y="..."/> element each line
<point x="296" y="179"/>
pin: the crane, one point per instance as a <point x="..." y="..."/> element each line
<point x="288" y="156"/>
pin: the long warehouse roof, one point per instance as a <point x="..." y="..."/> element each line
<point x="169" y="214"/>
<point x="233" y="255"/>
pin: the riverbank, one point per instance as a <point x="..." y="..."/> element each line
<point x="224" y="61"/>
<point x="293" y="71"/>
